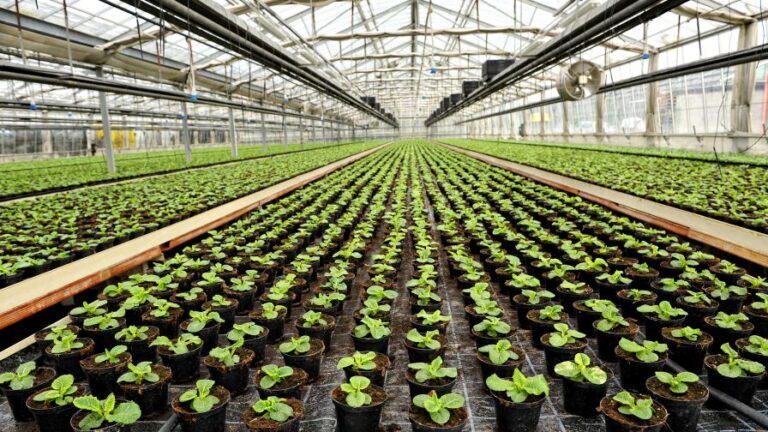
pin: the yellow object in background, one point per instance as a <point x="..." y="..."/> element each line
<point x="121" y="139"/>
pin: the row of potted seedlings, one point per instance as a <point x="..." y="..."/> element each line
<point x="536" y="308"/>
<point x="121" y="321"/>
<point x="46" y="232"/>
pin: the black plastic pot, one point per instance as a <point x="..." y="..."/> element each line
<point x="152" y="398"/>
<point x="520" y="303"/>
<point x="760" y="320"/>
<point x="103" y="338"/>
<point x="211" y="421"/>
<point x="185" y="367"/>
<point x="554" y="355"/>
<point x="371" y="344"/>
<point x="688" y="354"/>
<point x="423" y="328"/>
<point x="697" y="312"/>
<point x="653" y="325"/>
<point x="741" y="388"/>
<point x="684" y="410"/>
<point x="567" y="298"/>
<point x="608" y="341"/>
<point x="42" y="344"/>
<point x="309" y="361"/>
<point x="103" y="380"/>
<point x="487" y="368"/>
<point x="323" y="333"/>
<point x="517" y="417"/>
<point x="168" y="326"/>
<point x="629" y="305"/>
<point x="291" y="388"/>
<point x="617" y="422"/>
<point x="585" y="317"/>
<point x="50" y="417"/>
<point x="421" y="422"/>
<point x="233" y="378"/>
<point x="226" y="313"/>
<point x="540" y="327"/>
<point x="609" y="291"/>
<point x="417" y="388"/>
<point x="275" y="326"/>
<point x="376" y="375"/>
<point x="425" y="355"/>
<point x="244" y="299"/>
<point x="633" y="373"/>
<point x="140" y="349"/>
<point x="583" y="398"/>
<point x="358" y="419"/>
<point x="69" y="362"/>
<point x="258" y="345"/>
<point x="255" y="423"/>
<point x="209" y="334"/>
<point x="741" y="345"/>
<point x="722" y="335"/>
<point x="17" y="399"/>
<point x="481" y="339"/>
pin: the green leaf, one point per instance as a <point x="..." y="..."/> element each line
<point x="125" y="413"/>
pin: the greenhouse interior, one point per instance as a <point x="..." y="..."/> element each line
<point x="383" y="215"/>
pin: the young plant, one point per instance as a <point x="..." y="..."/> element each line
<point x="66" y="344"/>
<point x="432" y="318"/>
<point x="689" y="333"/>
<point x="227" y="355"/>
<point x="371" y="307"/>
<point x="500" y="352"/>
<point x="564" y="335"/>
<point x="439" y="407"/>
<point x="58" y="332"/>
<point x="757" y="345"/>
<point x="180" y="345"/>
<point x="724" y="292"/>
<point x="731" y="321"/>
<point x="697" y="297"/>
<point x="428" y="340"/>
<point x="62" y="389"/>
<point x="380" y="294"/>
<point x="273" y="408"/>
<point x="551" y="313"/>
<point x="133" y="333"/>
<point x="373" y="328"/>
<point x="432" y="371"/>
<point x="600" y="305"/>
<point x="106" y="411"/>
<point x="274" y="375"/>
<point x="219" y="301"/>
<point x="138" y="374"/>
<point x="161" y="308"/>
<point x="487" y="308"/>
<point x="200" y="320"/>
<point x="663" y="311"/>
<point x="358" y="361"/>
<point x="493" y="327"/>
<point x="22" y="379"/>
<point x="611" y="320"/>
<point x="111" y="356"/>
<point x="105" y="321"/>
<point x="641" y="408"/>
<point x="573" y="287"/>
<point x="615" y="278"/>
<point x="638" y="294"/>
<point x="537" y="297"/>
<point x="677" y="384"/>
<point x="241" y="331"/>
<point x="295" y="345"/>
<point x="192" y="294"/>
<point x="271" y="311"/>
<point x="735" y="366"/>
<point x="94" y="308"/>
<point x="762" y="305"/>
<point x="579" y="370"/>
<point x="647" y="352"/>
<point x="312" y="319"/>
<point x="356" y="396"/>
<point x="520" y="387"/>
<point x="200" y="398"/>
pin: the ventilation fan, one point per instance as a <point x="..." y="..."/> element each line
<point x="579" y="80"/>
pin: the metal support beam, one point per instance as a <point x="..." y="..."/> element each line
<point x="743" y="87"/>
<point x="566" y="116"/>
<point x="285" y="130"/>
<point x="106" y="128"/>
<point x="652" y="104"/>
<point x="264" y="144"/>
<point x="232" y="132"/>
<point x="600" y="115"/>
<point x="186" y="138"/>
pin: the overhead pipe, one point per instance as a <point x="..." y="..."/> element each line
<point x="612" y="19"/>
<point x="749" y="55"/>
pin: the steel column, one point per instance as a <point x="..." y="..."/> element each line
<point x="107" y="140"/>
<point x="185" y="133"/>
<point x="232" y="132"/>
